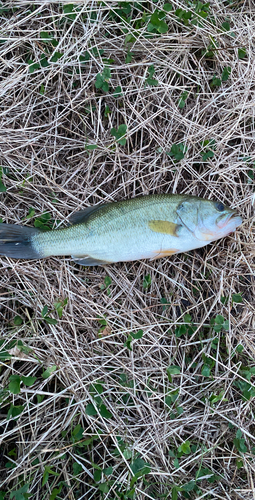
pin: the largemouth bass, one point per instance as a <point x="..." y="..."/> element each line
<point x="147" y="227"/>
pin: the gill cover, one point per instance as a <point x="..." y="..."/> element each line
<point x="188" y="213"/>
<point x="198" y="216"/>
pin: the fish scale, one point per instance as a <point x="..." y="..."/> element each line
<point x="118" y="232"/>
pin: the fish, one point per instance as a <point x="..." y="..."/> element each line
<point x="146" y="227"/>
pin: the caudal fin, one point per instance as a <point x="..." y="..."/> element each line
<point x="17" y="241"/>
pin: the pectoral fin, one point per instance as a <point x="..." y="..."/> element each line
<point x="164" y="226"/>
<point x="87" y="260"/>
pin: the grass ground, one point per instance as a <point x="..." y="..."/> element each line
<point x="134" y="381"/>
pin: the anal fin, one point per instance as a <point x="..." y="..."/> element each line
<point x="87" y="260"/>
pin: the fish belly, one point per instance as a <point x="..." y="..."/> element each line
<point x="137" y="247"/>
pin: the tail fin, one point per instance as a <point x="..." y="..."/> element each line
<point x="17" y="241"/>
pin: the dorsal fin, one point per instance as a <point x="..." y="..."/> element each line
<point x="83" y="215"/>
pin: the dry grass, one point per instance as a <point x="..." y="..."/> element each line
<point x="47" y="118"/>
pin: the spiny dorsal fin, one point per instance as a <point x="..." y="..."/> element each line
<point x="83" y="215"/>
<point x="164" y="226"/>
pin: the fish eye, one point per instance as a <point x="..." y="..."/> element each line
<point x="219" y="206"/>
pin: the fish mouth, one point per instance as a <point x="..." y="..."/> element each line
<point x="229" y="217"/>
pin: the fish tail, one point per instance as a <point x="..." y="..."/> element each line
<point x="17" y="242"/>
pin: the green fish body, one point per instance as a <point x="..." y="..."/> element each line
<point x="147" y="227"/>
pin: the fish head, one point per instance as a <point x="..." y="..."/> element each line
<point x="207" y="220"/>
